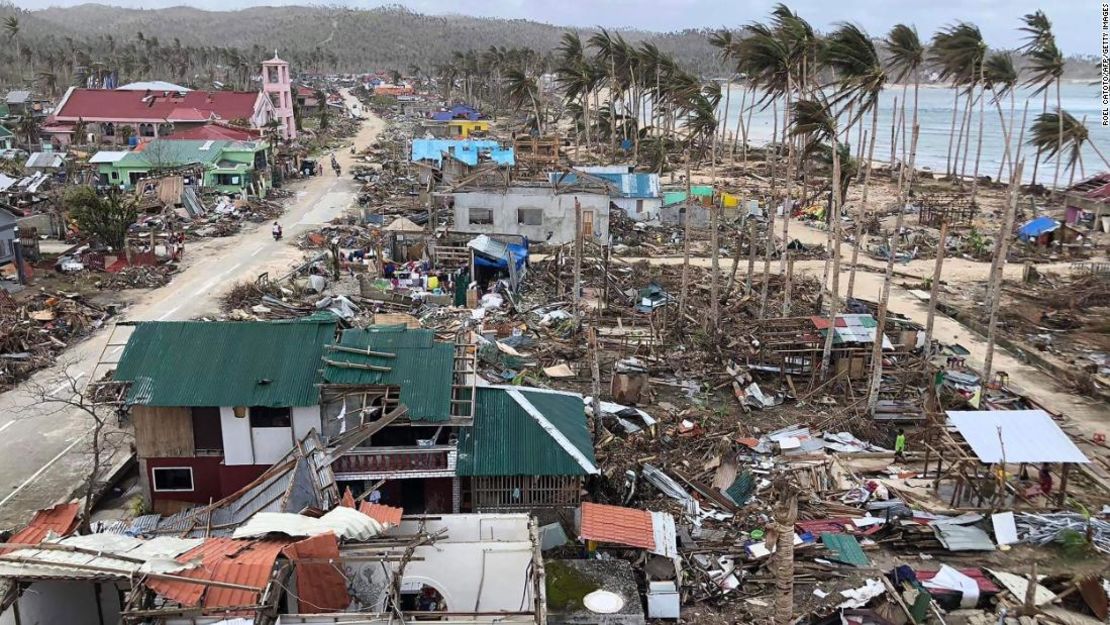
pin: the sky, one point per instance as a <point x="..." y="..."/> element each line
<point x="1076" y="22"/>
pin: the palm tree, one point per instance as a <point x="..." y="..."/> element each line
<point x="816" y="120"/>
<point x="722" y="40"/>
<point x="1039" y="35"/>
<point x="906" y="56"/>
<point x="852" y="54"/>
<point x="1001" y="77"/>
<point x="522" y="90"/>
<point x="11" y="27"/>
<point x="1046" y="66"/>
<point x="1044" y="135"/>
<point x="958" y="51"/>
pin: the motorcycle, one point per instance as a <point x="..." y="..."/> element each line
<point x="277" y="235"/>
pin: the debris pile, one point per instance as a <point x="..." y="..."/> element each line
<point x="34" y="331"/>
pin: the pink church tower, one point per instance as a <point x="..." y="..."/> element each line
<point x="278" y="86"/>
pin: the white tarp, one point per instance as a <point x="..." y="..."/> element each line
<point x="346" y="523"/>
<point x="1015" y="436"/>
<point x="948" y="578"/>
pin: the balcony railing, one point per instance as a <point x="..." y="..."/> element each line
<point x="370" y="462"/>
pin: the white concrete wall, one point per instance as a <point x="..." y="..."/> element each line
<point x="71" y="603"/>
<point x="650" y="211"/>
<point x="271" y="444"/>
<point x="305" y="419"/>
<point x="237" y="438"/>
<point x="558" y="213"/>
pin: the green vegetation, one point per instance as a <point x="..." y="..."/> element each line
<point x="105" y="219"/>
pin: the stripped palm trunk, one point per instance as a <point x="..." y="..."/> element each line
<point x="770" y="240"/>
<point x="686" y="241"/>
<point x="979" y="146"/>
<point x="996" y="270"/>
<point x="952" y="131"/>
<point x="934" y="290"/>
<point x="739" y="125"/>
<point x="884" y="302"/>
<point x="785" y="514"/>
<point x="1059" y="137"/>
<point x="787" y="208"/>
<point x="862" y="238"/>
<point x="834" y="291"/>
<point x="714" y="225"/>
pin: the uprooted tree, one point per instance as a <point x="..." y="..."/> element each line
<point x="104" y="219"/>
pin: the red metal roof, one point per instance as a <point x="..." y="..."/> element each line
<point x="348" y="500"/>
<point x="214" y="132"/>
<point x="386" y="515"/>
<point x="837" y="525"/>
<point x="243" y="562"/>
<point x="614" y="524"/>
<point x="133" y="106"/>
<point x="61" y="520"/>
<point x="320" y="585"/>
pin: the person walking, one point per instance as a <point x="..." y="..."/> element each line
<point x="900" y="445"/>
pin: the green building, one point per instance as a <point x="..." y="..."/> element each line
<point x="225" y="166"/>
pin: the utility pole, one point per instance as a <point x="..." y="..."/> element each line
<point x="577" y="259"/>
<point x="686" y="241"/>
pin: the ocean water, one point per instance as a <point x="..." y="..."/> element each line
<point x="935" y="118"/>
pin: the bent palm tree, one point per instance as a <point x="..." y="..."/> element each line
<point x="1001" y="77"/>
<point x="906" y="57"/>
<point x="1044" y="135"/>
<point x="1046" y="65"/>
<point x="1038" y="30"/>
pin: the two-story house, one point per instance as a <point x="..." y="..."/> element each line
<point x="214" y="403"/>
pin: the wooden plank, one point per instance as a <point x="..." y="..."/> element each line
<point x="163" y="432"/>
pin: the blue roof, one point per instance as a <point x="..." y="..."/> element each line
<point x="1038" y="226"/>
<point x="459" y="111"/>
<point x="627" y="185"/>
<point x="465" y="150"/>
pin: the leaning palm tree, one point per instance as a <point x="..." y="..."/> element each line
<point x="1044" y="135"/>
<point x="1001" y="77"/>
<point x="958" y="52"/>
<point x="523" y="90"/>
<point x="852" y="55"/>
<point x="815" y="120"/>
<point x="905" y="58"/>
<point x="1046" y="67"/>
<point x="1038" y="35"/>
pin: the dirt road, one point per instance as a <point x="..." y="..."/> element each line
<point x="43" y="447"/>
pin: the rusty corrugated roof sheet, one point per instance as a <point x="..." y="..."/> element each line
<point x="348" y="499"/>
<point x="386" y="515"/>
<point x="320" y="585"/>
<point x="614" y="524"/>
<point x="243" y="562"/>
<point x="61" y="520"/>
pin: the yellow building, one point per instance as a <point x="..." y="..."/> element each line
<point x="464" y="128"/>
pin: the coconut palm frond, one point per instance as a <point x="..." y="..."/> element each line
<point x="851" y="53"/>
<point x="1038" y="30"/>
<point x="814" y="119"/>
<point x="958" y="52"/>
<point x="1044" y="134"/>
<point x="907" y="54"/>
<point x="999" y="73"/>
<point x="1046" y="65"/>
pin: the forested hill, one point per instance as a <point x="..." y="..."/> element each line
<point x="356" y="40"/>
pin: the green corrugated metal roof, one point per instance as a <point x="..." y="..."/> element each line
<point x="422" y="367"/>
<point x="201" y="363"/>
<point x="845" y="548"/>
<point x="506" y="440"/>
<point x="674" y="197"/>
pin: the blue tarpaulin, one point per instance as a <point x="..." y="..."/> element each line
<point x="465" y="150"/>
<point x="490" y="252"/>
<point x="1030" y="230"/>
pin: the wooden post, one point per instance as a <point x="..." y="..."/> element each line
<point x="934" y="289"/>
<point x="595" y="372"/>
<point x="751" y="256"/>
<point x="686" y="242"/>
<point x="1065" y="468"/>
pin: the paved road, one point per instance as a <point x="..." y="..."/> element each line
<point x="43" y="446"/>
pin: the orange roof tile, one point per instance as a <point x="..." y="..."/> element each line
<point x="614" y="524"/>
<point x="61" y="520"/>
<point x="243" y="562"/>
<point x="320" y="585"/>
<point x="386" y="515"/>
<point x="348" y="500"/>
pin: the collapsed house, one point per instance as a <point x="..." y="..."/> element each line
<point x="447" y="161"/>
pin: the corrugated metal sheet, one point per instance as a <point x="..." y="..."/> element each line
<point x="615" y="524"/>
<point x="506" y="440"/>
<point x="197" y="363"/>
<point x="386" y="515"/>
<point x="845" y="548"/>
<point x="422" y="367"/>
<point x="61" y="520"/>
<point x="962" y="537"/>
<point x="1015" y="436"/>
<point x="320" y="585"/>
<point x="243" y="562"/>
<point x="115" y="557"/>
